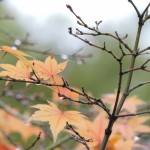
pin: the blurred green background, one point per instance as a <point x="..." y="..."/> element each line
<point x="88" y="67"/>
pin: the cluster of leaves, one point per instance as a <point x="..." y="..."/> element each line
<point x="47" y="74"/>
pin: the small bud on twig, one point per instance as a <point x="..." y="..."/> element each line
<point x="70" y="30"/>
<point x="69" y="7"/>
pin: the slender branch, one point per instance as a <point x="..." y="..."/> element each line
<point x="117" y="110"/>
<point x="112" y="118"/>
<point x="94" y="100"/>
<point x="142" y="67"/>
<point x="145" y="10"/>
<point x="82" y="23"/>
<point x="148" y="48"/>
<point x="131" y="67"/>
<point x="135" y="114"/>
<point x="137" y="86"/>
<point x="78" y="137"/>
<point x="93" y="45"/>
<point x="37" y="139"/>
<point x="137" y="11"/>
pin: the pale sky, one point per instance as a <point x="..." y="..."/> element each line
<point x="47" y="20"/>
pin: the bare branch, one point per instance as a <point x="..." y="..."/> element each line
<point x="97" y="32"/>
<point x="77" y="136"/>
<point x="95" y="101"/>
<point x="137" y="86"/>
<point x="142" y="67"/>
<point x="137" y="11"/>
<point x="135" y="114"/>
<point x="37" y="139"/>
<point x="96" y="46"/>
<point x="145" y="10"/>
<point x="148" y="48"/>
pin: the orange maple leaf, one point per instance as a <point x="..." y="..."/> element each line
<point x="17" y="53"/>
<point x="130" y="104"/>
<point x="20" y="71"/>
<point x="130" y="126"/>
<point x="49" y="69"/>
<point x="58" y="91"/>
<point x="96" y="130"/>
<point x="64" y="91"/>
<point x="10" y="124"/>
<point x="57" y="118"/>
<point x="14" y="52"/>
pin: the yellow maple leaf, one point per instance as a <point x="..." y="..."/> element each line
<point x="57" y="118"/>
<point x="14" y="52"/>
<point x="48" y="69"/>
<point x="20" y="71"/>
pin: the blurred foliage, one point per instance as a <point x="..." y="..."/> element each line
<point x="98" y="75"/>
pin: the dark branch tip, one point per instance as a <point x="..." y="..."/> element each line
<point x="69" y="7"/>
<point x="70" y="30"/>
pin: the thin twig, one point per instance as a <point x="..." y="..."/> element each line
<point x="82" y="23"/>
<point x="137" y="86"/>
<point x="95" y="101"/>
<point x="135" y="114"/>
<point x="37" y="139"/>
<point x="103" y="48"/>
<point x="78" y="137"/>
<point x="137" y="11"/>
<point x="147" y="48"/>
<point x="142" y="67"/>
<point x="145" y="10"/>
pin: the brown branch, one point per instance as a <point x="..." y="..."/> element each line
<point x="148" y="48"/>
<point x="77" y="136"/>
<point x="97" y="32"/>
<point x="37" y="139"/>
<point x="142" y="67"/>
<point x="91" y="100"/>
<point x="145" y="10"/>
<point x="93" y="45"/>
<point x="137" y="86"/>
<point x="36" y="82"/>
<point x="134" y="114"/>
<point x="137" y="11"/>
